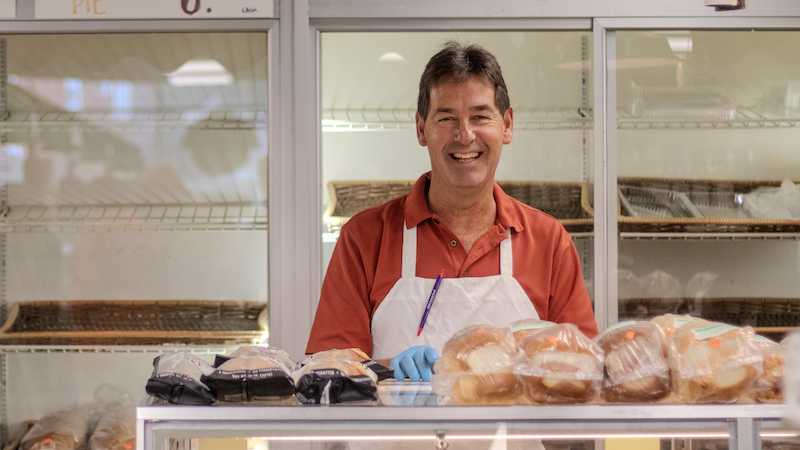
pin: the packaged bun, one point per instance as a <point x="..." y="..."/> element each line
<point x="116" y="430"/>
<point x="176" y="379"/>
<point x="561" y="365"/>
<point x="252" y="376"/>
<point x="526" y="327"/>
<point x="62" y="430"/>
<point x="713" y="363"/>
<point x="768" y="388"/>
<point x="262" y="351"/>
<point x="353" y="354"/>
<point x="636" y="367"/>
<point x="477" y="367"/>
<point x="326" y="381"/>
<point x="671" y="322"/>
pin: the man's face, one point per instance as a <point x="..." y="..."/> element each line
<point x="464" y="133"/>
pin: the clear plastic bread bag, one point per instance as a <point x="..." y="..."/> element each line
<point x="768" y="388"/>
<point x="636" y="367"/>
<point x="176" y="379"/>
<point x="62" y="430"/>
<point x="561" y="365"/>
<point x="260" y="350"/>
<point x="477" y="367"/>
<point x="713" y="362"/>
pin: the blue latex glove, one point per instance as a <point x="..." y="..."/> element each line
<point x="416" y="363"/>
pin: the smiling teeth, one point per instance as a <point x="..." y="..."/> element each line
<point x="465" y="155"/>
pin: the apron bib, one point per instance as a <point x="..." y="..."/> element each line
<point x="494" y="300"/>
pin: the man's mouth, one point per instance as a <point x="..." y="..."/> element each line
<point x="465" y="157"/>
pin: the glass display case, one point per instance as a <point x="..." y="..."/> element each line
<point x="707" y="166"/>
<point x="134" y="207"/>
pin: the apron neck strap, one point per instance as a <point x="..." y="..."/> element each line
<point x="410" y="253"/>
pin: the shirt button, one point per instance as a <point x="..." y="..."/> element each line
<point x="464" y="274"/>
<point x="453" y="243"/>
<point x="436" y="221"/>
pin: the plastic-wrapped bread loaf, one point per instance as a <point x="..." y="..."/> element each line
<point x="713" y="363"/>
<point x="671" y="322"/>
<point x="768" y="388"/>
<point x="636" y="367"/>
<point x="252" y="376"/>
<point x="562" y="365"/>
<point x="62" y="430"/>
<point x="477" y="367"/>
<point x="116" y="430"/>
<point x="326" y="381"/>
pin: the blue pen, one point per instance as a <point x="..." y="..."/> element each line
<point x="430" y="301"/>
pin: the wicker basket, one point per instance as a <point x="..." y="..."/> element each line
<point x="134" y="323"/>
<point x="567" y="202"/>
<point x="768" y="315"/>
<point x="717" y="196"/>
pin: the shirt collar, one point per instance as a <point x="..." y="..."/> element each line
<point x="417" y="206"/>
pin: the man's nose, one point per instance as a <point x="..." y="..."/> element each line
<point x="465" y="134"/>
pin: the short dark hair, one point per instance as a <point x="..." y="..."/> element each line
<point x="458" y="62"/>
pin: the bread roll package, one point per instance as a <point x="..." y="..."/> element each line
<point x="526" y="327"/>
<point x="561" y="365"/>
<point x="326" y="381"/>
<point x="713" y="363"/>
<point x="259" y="350"/>
<point x="176" y="379"/>
<point x="62" y="430"/>
<point x="251" y="376"/>
<point x="768" y="388"/>
<point x="116" y="429"/>
<point x="671" y="322"/>
<point x="477" y="367"/>
<point x="353" y="354"/>
<point x="635" y="365"/>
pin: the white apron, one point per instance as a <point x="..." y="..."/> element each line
<point x="494" y="300"/>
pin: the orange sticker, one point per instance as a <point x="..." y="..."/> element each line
<point x="630" y="335"/>
<point x="128" y="446"/>
<point x="716" y="343"/>
<point x="479" y="331"/>
<point x="47" y="441"/>
<point x="553" y="339"/>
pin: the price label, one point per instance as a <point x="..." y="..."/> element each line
<point x="153" y="9"/>
<point x="8" y="9"/>
<point x="792" y="380"/>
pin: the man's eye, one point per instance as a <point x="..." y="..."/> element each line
<point x="445" y="119"/>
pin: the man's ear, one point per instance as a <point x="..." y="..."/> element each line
<point x="508" y="125"/>
<point x="423" y="141"/>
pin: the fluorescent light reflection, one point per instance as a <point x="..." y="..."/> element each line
<point x="200" y="72"/>
<point x="517" y="437"/>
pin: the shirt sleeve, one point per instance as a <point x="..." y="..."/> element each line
<point x="569" y="299"/>
<point x="343" y="315"/>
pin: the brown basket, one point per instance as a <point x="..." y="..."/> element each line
<point x="567" y="202"/>
<point x="134" y="323"/>
<point x="755" y="312"/>
<point x="716" y="193"/>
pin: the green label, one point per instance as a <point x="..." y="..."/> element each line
<point x="712" y="331"/>
<point x="530" y="326"/>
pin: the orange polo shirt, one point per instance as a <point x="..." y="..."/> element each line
<point x="367" y="262"/>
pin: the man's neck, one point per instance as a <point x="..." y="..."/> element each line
<point x="468" y="214"/>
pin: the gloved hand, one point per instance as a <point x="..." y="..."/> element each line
<point x="416" y="363"/>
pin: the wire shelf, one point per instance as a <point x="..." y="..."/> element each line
<point x="398" y="119"/>
<point x="91" y="218"/>
<point x="709" y="236"/>
<point x="103" y="349"/>
<point x="126" y="121"/>
<point x="746" y="118"/>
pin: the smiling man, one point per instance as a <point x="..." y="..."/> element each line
<point x="501" y="259"/>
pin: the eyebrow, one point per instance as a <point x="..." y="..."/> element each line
<point x="477" y="108"/>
